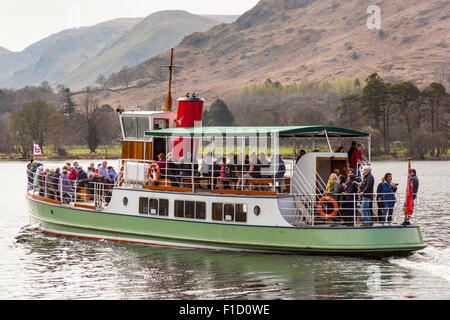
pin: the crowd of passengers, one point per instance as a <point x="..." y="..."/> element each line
<point x="233" y="171"/>
<point x="51" y="182"/>
<point x="357" y="188"/>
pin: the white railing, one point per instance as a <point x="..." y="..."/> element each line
<point x="346" y="209"/>
<point x="92" y="192"/>
<point x="199" y="176"/>
<point x="301" y="208"/>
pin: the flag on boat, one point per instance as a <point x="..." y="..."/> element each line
<point x="37" y="149"/>
<point x="409" y="205"/>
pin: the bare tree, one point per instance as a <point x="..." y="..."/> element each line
<point x="32" y="120"/>
<point x="96" y="124"/>
<point x="101" y="80"/>
<point x="124" y="75"/>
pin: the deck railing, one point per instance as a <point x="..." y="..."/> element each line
<point x="345" y="209"/>
<point x="297" y="207"/>
<point x="194" y="176"/>
<point x="94" y="193"/>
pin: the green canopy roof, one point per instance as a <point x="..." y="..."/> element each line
<point x="283" y="131"/>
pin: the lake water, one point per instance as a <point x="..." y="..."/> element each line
<point x="39" y="266"/>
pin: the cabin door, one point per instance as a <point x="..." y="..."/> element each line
<point x="325" y="166"/>
<point x="159" y="144"/>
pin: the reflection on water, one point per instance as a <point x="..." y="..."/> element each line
<point x="83" y="269"/>
<point x="40" y="266"/>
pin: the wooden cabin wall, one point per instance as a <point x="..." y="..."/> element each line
<point x="135" y="150"/>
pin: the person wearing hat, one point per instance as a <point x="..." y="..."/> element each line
<point x="31" y="172"/>
<point x="38" y="177"/>
<point x="366" y="193"/>
<point x="82" y="177"/>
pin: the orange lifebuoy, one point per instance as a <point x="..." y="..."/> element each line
<point x="329" y="200"/>
<point x="158" y="173"/>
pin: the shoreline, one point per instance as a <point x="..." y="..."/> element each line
<point x="116" y="156"/>
<point x="46" y="157"/>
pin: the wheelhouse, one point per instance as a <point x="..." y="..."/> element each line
<point x="134" y="124"/>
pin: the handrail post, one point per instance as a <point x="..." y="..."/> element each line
<point x="167" y="152"/>
<point x="354" y="210"/>
<point x="61" y="195"/>
<point x="328" y="141"/>
<point x="75" y="192"/>
<point x="212" y="163"/>
<point x="242" y="163"/>
<point x="192" y="175"/>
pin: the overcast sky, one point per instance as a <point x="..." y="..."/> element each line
<point x="23" y="22"/>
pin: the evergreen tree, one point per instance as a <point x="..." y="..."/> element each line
<point x="349" y="112"/>
<point x="405" y="103"/>
<point x="218" y="114"/>
<point x="374" y="101"/>
<point x="437" y="104"/>
<point x="68" y="105"/>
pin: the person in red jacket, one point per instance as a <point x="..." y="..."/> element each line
<point x="72" y="174"/>
<point x="357" y="159"/>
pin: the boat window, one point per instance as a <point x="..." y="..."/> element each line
<point x="163" y="207"/>
<point x="179" y="209"/>
<point x="143" y="205"/>
<point x="129" y="127"/>
<point x="189" y="207"/>
<point x="153" y="206"/>
<point x="228" y="212"/>
<point x="200" y="210"/>
<point x="142" y="126"/>
<point x="161" y="123"/>
<point x="217" y="211"/>
<point x="241" y="212"/>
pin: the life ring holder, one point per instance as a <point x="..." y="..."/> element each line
<point x="333" y="202"/>
<point x="158" y="173"/>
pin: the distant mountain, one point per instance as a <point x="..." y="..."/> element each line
<point x="4" y="51"/>
<point x="221" y="18"/>
<point x="59" y="54"/>
<point x="152" y="36"/>
<point x="289" y="40"/>
<point x="10" y="62"/>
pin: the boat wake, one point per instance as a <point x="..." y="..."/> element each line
<point x="435" y="261"/>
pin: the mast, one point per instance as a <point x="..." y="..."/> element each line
<point x="168" y="104"/>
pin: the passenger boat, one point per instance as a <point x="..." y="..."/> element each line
<point x="283" y="209"/>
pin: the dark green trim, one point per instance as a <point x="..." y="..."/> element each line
<point x="282" y="131"/>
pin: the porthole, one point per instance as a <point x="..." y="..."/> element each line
<point x="257" y="210"/>
<point x="125" y="201"/>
